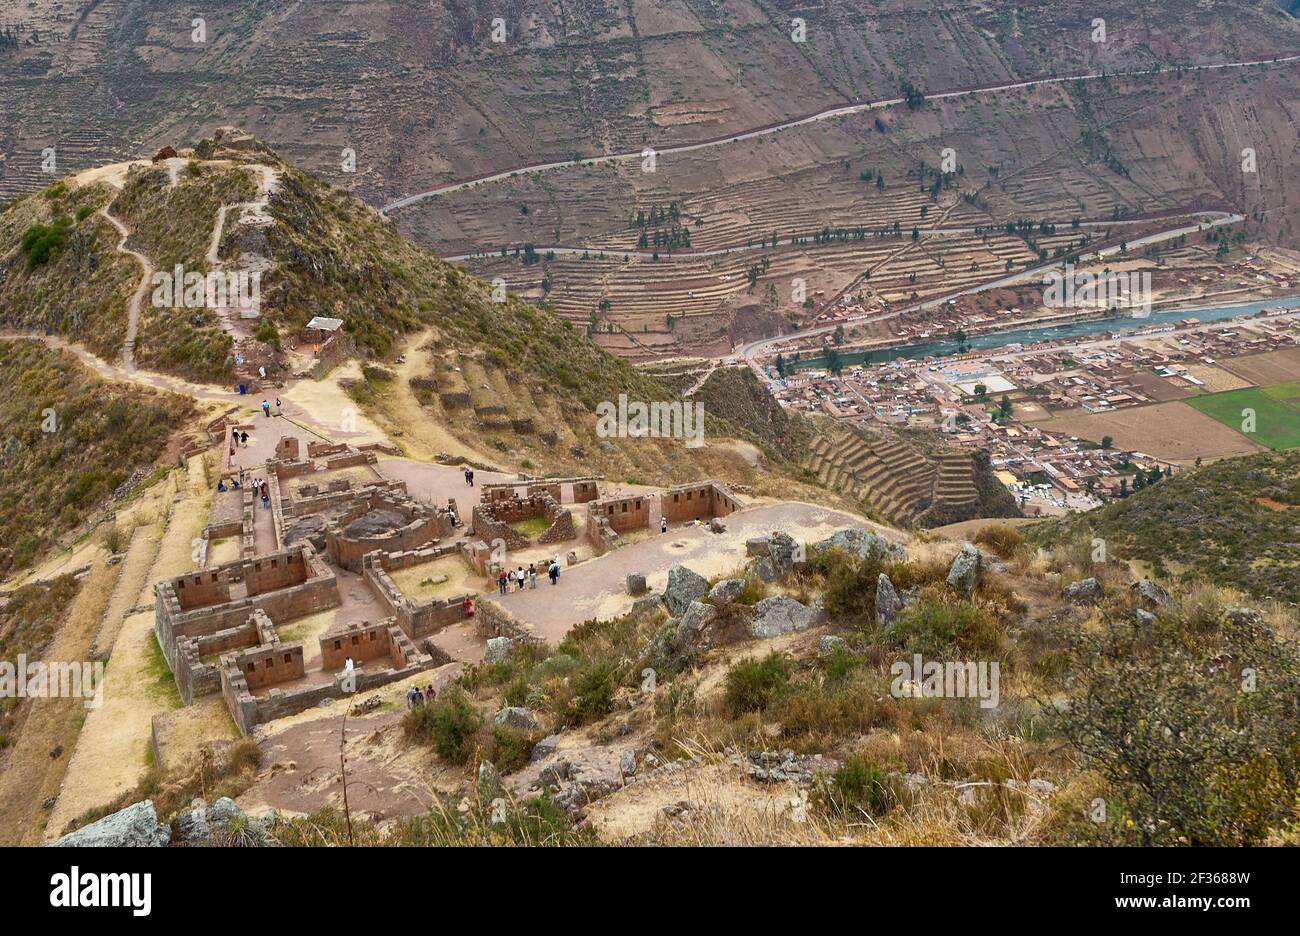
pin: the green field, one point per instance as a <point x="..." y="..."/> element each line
<point x="1276" y="407"/>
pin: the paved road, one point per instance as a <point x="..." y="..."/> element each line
<point x="598" y="588"/>
<point x="833" y="113"/>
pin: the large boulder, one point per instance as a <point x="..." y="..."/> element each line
<point x="860" y="543"/>
<point x="966" y="570"/>
<point x="512" y="716"/>
<point x="137" y="826"/>
<point x="1088" y="589"/>
<point x="697" y="617"/>
<point x="830" y="644"/>
<point x="1152" y="593"/>
<point x="765" y="569"/>
<point x="888" y="604"/>
<point x="488" y="781"/>
<point x="497" y="649"/>
<point x="727" y="590"/>
<point x="782" y="615"/>
<point x="684" y="586"/>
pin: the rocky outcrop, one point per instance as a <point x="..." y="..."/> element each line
<point x="497" y="649"/>
<point x="888" y="604"/>
<point x="967" y="570"/>
<point x="1152" y="593"/>
<point x="727" y="590"/>
<point x="1088" y="590"/>
<point x="136" y="826"/>
<point x="782" y="615"/>
<point x="859" y="543"/>
<point x="512" y="716"/>
<point x="684" y="586"/>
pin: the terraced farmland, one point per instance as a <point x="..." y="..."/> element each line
<point x="891" y="477"/>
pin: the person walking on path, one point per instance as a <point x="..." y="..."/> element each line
<point x="243" y="438"/>
<point x="521" y="577"/>
<point x="532" y="576"/>
<point x="554" y="572"/>
<point x="501" y="581"/>
<point x="266" y="409"/>
<point x="467" y="606"/>
<point x="663" y="524"/>
<point x="469" y="476"/>
<point x="278" y="411"/>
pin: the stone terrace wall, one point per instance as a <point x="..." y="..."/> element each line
<point x="417" y="619"/>
<point x="495" y="621"/>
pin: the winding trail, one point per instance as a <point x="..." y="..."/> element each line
<point x="832" y="113"/>
<point x="133" y="310"/>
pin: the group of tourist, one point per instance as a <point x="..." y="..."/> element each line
<point x="415" y="697"/>
<point x="518" y="579"/>
<point x="469" y="475"/>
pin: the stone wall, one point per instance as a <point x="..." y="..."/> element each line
<point x="424" y="525"/>
<point x="702" y="501"/>
<point x="623" y="514"/>
<point x="249" y="711"/>
<point x="317" y="591"/>
<point x="491" y="519"/>
<point x="417" y="619"/>
<point x="267" y="666"/>
<point x="363" y="641"/>
<point x="495" y="621"/>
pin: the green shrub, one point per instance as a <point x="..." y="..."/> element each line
<point x="941" y="625"/>
<point x="448" y="724"/>
<point x="752" y="685"/>
<point x="860" y="788"/>
<point x="41" y="241"/>
<point x="268" y="334"/>
<point x="594" y="687"/>
<point x="508" y="748"/>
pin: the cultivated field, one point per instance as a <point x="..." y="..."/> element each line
<point x="1173" y="432"/>
<point x="1264" y="369"/>
<point x="1274" y="410"/>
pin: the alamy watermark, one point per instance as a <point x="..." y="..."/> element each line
<point x="676" y="419"/>
<point x="38" y="679"/>
<point x="951" y="679"/>
<point x="179" y="289"/>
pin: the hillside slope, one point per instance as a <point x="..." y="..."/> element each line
<point x="1235" y="523"/>
<point x="70" y="441"/>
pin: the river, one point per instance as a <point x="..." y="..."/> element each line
<point x="1034" y="334"/>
